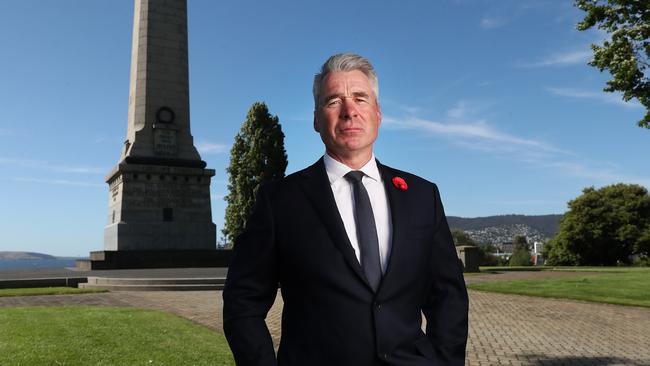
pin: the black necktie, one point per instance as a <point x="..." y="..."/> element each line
<point x="366" y="230"/>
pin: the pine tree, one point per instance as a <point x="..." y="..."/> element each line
<point x="257" y="156"/>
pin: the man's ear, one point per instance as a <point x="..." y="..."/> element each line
<point x="316" y="124"/>
<point x="379" y="113"/>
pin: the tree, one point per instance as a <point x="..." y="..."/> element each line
<point x="462" y="238"/>
<point x="603" y="226"/>
<point x="627" y="53"/>
<point x="257" y="156"/>
<point x="521" y="252"/>
<point x="486" y="256"/>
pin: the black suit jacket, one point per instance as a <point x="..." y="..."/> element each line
<point x="295" y="238"/>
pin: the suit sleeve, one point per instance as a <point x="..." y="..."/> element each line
<point x="447" y="304"/>
<point x="251" y="287"/>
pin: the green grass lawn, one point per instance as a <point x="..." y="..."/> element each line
<point x="565" y="268"/>
<point x="84" y="335"/>
<point x="602" y="269"/>
<point x="514" y="268"/>
<point x="615" y="285"/>
<point x="45" y="291"/>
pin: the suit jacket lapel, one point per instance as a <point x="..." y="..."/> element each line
<point x="398" y="220"/>
<point x="317" y="188"/>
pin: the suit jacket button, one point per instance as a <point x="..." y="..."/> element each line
<point x="384" y="356"/>
<point x="377" y="306"/>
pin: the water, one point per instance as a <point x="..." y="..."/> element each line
<point x="37" y="263"/>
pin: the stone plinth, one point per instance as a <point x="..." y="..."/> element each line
<point x="469" y="256"/>
<point x="153" y="207"/>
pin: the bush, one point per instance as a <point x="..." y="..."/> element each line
<point x="521" y="254"/>
<point x="520" y="258"/>
<point x="487" y="259"/>
<point x="642" y="262"/>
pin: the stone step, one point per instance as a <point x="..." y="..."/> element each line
<point x="214" y="287"/>
<point x="41" y="282"/>
<point x="154" y="284"/>
<point x="95" y="280"/>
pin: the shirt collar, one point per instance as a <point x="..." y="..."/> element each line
<point x="336" y="170"/>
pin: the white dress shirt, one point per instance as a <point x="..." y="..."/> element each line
<point x="344" y="197"/>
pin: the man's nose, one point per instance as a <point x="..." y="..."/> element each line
<point x="348" y="108"/>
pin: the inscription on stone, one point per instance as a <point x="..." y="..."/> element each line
<point x="164" y="142"/>
<point x="171" y="195"/>
<point x="114" y="192"/>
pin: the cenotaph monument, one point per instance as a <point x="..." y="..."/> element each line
<point x="159" y="212"/>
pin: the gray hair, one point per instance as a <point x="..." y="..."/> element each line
<point x="345" y="62"/>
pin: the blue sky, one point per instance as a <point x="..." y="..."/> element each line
<point x="492" y="100"/>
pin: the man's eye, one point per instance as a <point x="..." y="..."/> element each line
<point x="333" y="102"/>
<point x="361" y="100"/>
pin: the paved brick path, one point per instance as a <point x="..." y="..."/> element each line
<point x="504" y="329"/>
<point x="524" y="275"/>
<point x="522" y="330"/>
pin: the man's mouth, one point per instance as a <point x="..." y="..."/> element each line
<point x="352" y="130"/>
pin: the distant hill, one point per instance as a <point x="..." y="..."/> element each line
<point x="24" y="256"/>
<point x="546" y="225"/>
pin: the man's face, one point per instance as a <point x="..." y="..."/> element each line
<point x="348" y="115"/>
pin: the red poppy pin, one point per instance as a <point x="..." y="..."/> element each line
<point x="400" y="183"/>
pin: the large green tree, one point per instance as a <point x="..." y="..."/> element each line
<point x="626" y="54"/>
<point x="603" y="227"/>
<point x="256" y="156"/>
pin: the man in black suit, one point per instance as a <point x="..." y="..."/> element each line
<point x="360" y="251"/>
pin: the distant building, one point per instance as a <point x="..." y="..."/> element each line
<point x="538" y="258"/>
<point x="506" y="247"/>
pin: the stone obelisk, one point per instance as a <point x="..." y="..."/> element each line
<point x="159" y="212"/>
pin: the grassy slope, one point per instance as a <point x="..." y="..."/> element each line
<point x="83" y="335"/>
<point x="45" y="291"/>
<point x="616" y="285"/>
<point x="567" y="268"/>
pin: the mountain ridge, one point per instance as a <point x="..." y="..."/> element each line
<point x="501" y="229"/>
<point x="6" y="255"/>
<point x="547" y="225"/>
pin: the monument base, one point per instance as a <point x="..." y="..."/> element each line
<point x="137" y="259"/>
<point x="153" y="207"/>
